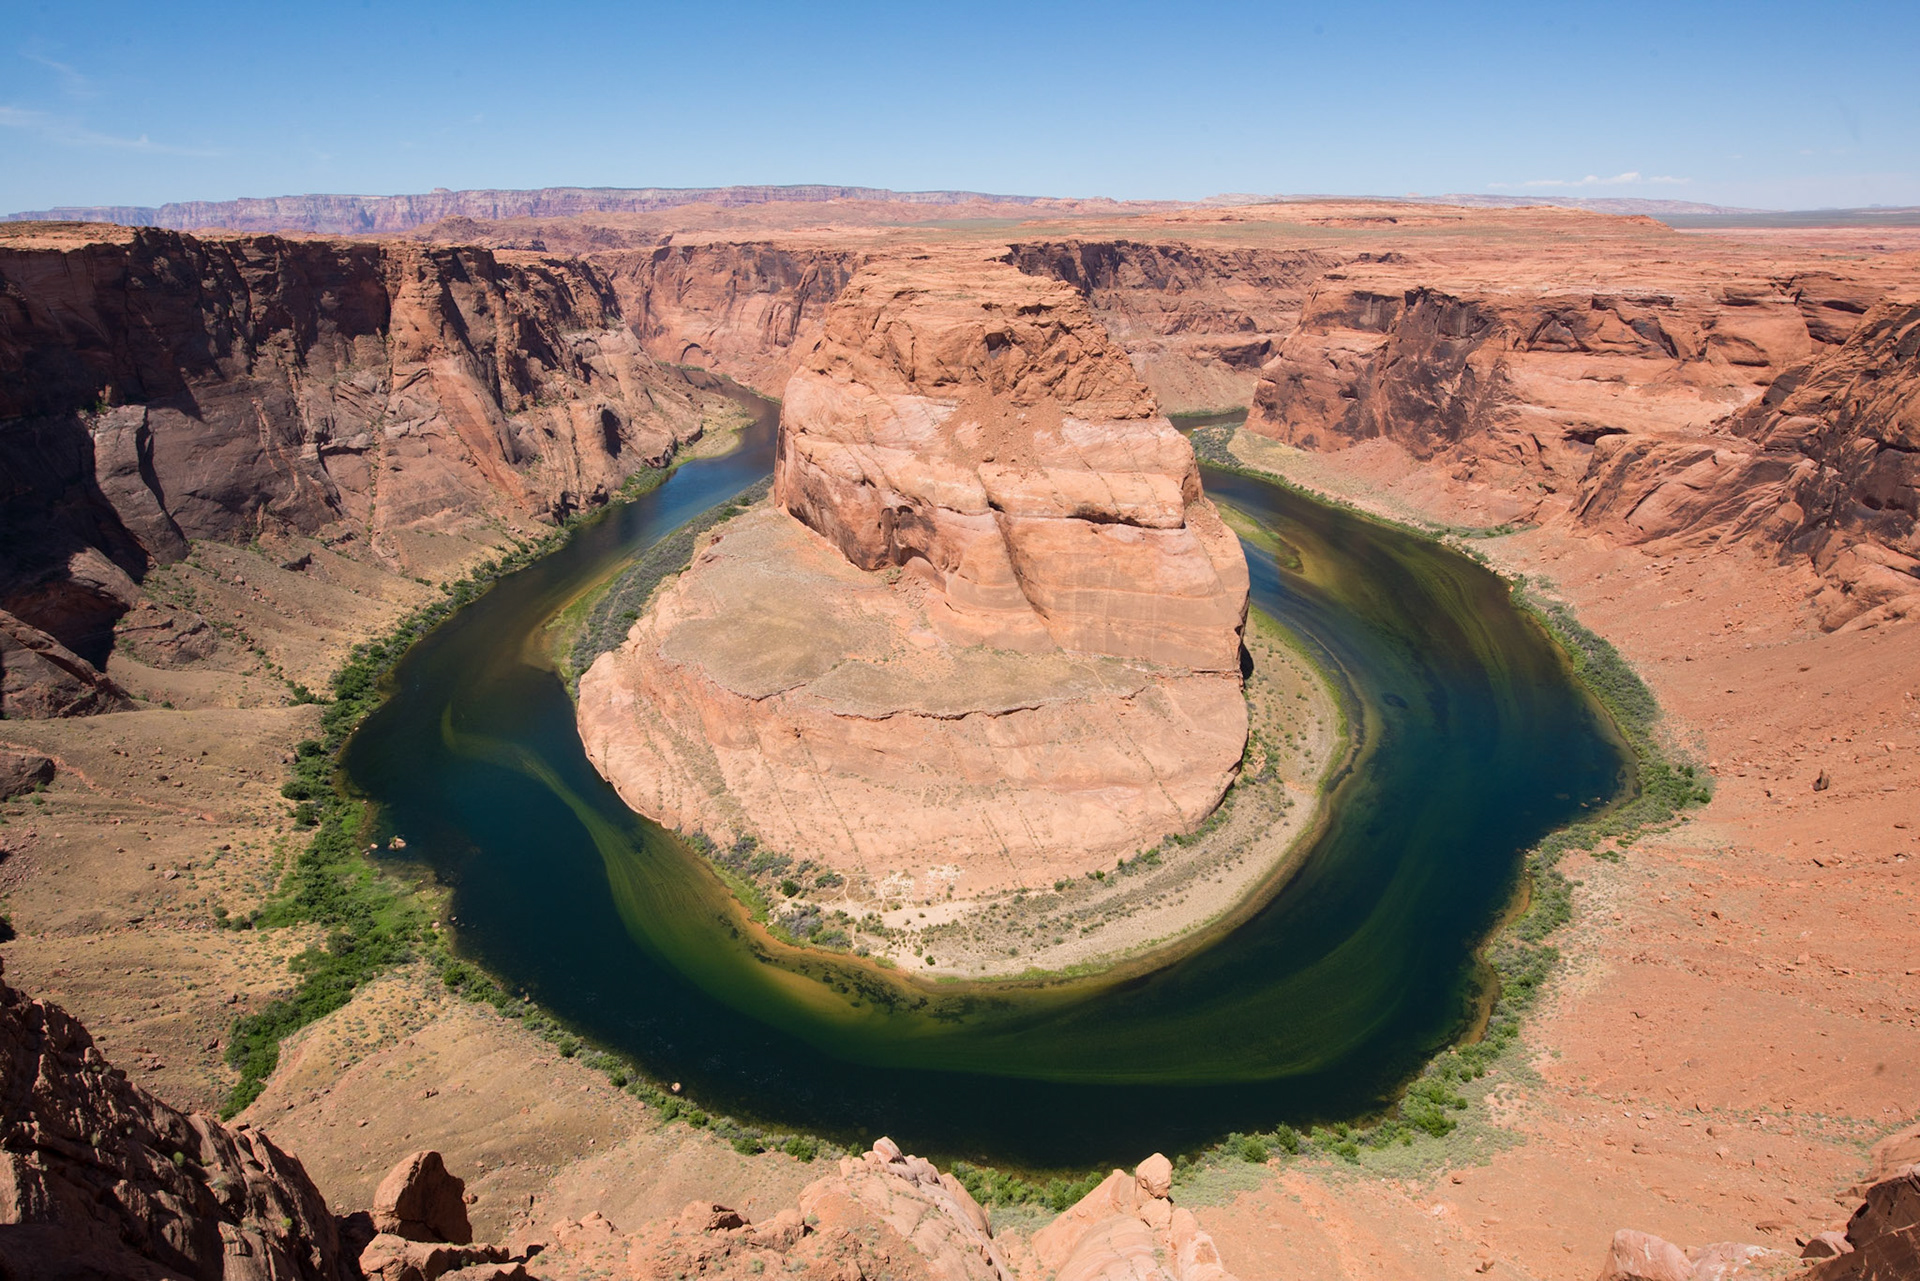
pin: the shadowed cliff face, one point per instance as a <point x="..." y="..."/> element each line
<point x="745" y="309"/>
<point x="1825" y="465"/>
<point x="99" y="1178"/>
<point x="157" y="387"/>
<point x="1198" y="322"/>
<point x="1512" y="380"/>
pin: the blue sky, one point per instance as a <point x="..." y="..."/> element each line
<point x="1764" y="104"/>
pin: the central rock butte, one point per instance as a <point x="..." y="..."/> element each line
<point x="987" y="635"/>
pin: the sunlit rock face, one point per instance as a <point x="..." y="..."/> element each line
<point x="987" y="634"/>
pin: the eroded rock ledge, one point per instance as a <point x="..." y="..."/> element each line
<point x="987" y="636"/>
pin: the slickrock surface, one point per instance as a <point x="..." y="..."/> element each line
<point x="998" y="633"/>
<point x="883" y="1214"/>
<point x="100" y="1179"/>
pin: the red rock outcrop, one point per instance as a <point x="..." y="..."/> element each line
<point x="1825" y="465"/>
<point x="745" y="309"/>
<point x="421" y="1201"/>
<point x="41" y="678"/>
<point x="1503" y="372"/>
<point x="1128" y="1229"/>
<point x="1883" y="1236"/>
<point x="100" y="1179"/>
<point x="1199" y="322"/>
<point x="978" y="423"/>
<point x="1000" y="642"/>
<point x="1881" y="1242"/>
<point x="882" y="1214"/>
<point x="22" y="772"/>
<point x="157" y="387"/>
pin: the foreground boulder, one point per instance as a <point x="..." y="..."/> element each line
<point x="1883" y="1236"/>
<point x="882" y="1214"/>
<point x="22" y="772"/>
<point x="420" y="1201"/>
<point x="1641" y="1256"/>
<point x="1128" y="1229"/>
<point x="100" y="1179"/>
<point x="989" y="634"/>
<point x="40" y="678"/>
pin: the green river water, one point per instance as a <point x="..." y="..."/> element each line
<point x="1474" y="741"/>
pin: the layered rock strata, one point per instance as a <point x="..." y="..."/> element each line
<point x="991" y="633"/>
<point x="157" y="387"/>
<point x="1504" y="376"/>
<point x="1825" y="465"/>
<point x="1199" y="322"/>
<point x="100" y="1179"/>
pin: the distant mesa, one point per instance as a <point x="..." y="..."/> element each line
<point x="348" y="215"/>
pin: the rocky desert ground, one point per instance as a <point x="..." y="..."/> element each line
<point x="226" y="457"/>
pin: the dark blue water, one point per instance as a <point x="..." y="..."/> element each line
<point x="1475" y="743"/>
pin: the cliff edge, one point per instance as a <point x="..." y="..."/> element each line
<point x="987" y="636"/>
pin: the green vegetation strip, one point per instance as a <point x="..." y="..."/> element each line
<point x="614" y="614"/>
<point x="1519" y="956"/>
<point x="371" y="922"/>
<point x="375" y="923"/>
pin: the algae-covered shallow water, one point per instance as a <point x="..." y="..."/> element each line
<point x="1475" y="741"/>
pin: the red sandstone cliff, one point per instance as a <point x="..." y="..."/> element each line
<point x="157" y="387"/>
<point x="100" y="1179"/>
<point x="993" y="638"/>
<point x="1197" y="321"/>
<point x="1824" y="465"/>
<point x="1512" y="373"/>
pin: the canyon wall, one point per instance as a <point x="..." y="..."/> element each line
<point x="1199" y="322"/>
<point x="1518" y="370"/>
<point x="157" y="387"/>
<point x="1824" y="465"/>
<point x="745" y="309"/>
<point x="991" y="634"/>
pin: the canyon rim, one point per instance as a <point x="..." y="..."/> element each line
<point x="227" y="457"/>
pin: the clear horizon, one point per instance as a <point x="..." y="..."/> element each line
<point x="1763" y="105"/>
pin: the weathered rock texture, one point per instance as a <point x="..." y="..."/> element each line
<point x="1881" y="1242"/>
<point x="100" y="1179"/>
<point x="747" y="309"/>
<point x="157" y="387"/>
<point x="40" y="677"/>
<point x="421" y="1201"/>
<point x="999" y="643"/>
<point x="1128" y="1229"/>
<point x="980" y="422"/>
<point x="1503" y="371"/>
<point x="1883" y="1236"/>
<point x="1198" y="322"/>
<point x="883" y="1214"/>
<point x="1824" y="465"/>
<point x="22" y="772"/>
